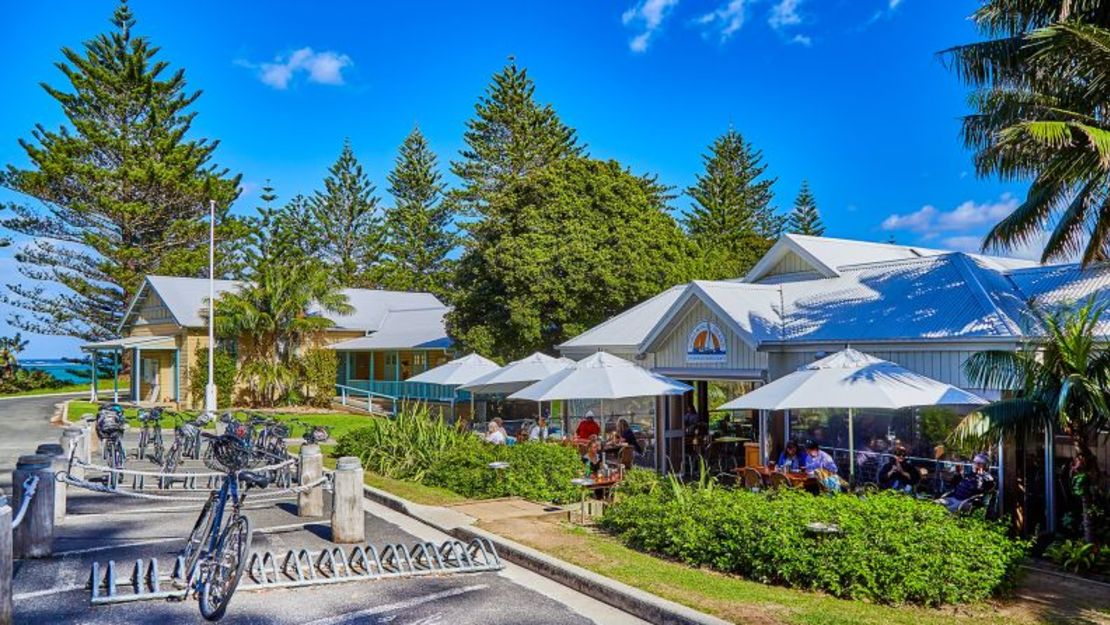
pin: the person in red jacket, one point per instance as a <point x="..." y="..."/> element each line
<point x="588" y="427"/>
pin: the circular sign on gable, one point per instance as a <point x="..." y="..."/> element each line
<point x="706" y="343"/>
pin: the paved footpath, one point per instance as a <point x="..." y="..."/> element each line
<point x="102" y="527"/>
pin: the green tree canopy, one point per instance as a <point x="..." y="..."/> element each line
<point x="571" y="245"/>
<point x="347" y="221"/>
<point x="510" y="136"/>
<point x="805" y="219"/>
<point x="1040" y="91"/>
<point x="124" y="190"/>
<point x="732" y="218"/>
<point x="419" y="235"/>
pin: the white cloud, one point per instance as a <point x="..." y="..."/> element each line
<point x="325" y="68"/>
<point x="649" y="16"/>
<point x="785" y="13"/>
<point x="802" y="40"/>
<point x="893" y="4"/>
<point x="725" y="21"/>
<point x="966" y="216"/>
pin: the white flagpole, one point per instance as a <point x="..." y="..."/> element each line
<point x="210" y="388"/>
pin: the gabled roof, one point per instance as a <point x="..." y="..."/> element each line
<point x="629" y="328"/>
<point x="419" y="328"/>
<point x="371" y="307"/>
<point x="749" y="310"/>
<point x="185" y="298"/>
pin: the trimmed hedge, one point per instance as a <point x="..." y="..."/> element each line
<point x="891" y="549"/>
<point x="422" y="448"/>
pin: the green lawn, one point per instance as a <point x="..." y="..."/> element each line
<point x="104" y="385"/>
<point x="337" y="423"/>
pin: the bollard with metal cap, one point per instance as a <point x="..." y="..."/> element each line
<point x="5" y="563"/>
<point x="58" y="464"/>
<point x="311" y="502"/>
<point x="348" y="524"/>
<point x="34" y="537"/>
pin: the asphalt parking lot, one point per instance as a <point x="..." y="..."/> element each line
<point x="102" y="527"/>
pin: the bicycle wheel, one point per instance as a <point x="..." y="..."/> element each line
<point x="194" y="545"/>
<point x="156" y="443"/>
<point x="140" y="449"/>
<point x="111" y="450"/>
<point x="173" y="456"/>
<point x="228" y="562"/>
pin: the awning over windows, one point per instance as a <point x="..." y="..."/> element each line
<point x="130" y="342"/>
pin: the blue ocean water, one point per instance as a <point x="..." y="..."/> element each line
<point x="73" y="372"/>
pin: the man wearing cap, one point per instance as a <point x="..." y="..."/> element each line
<point x="587" y="427"/>
<point x="971" y="485"/>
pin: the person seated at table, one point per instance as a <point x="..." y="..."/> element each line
<point x="592" y="457"/>
<point x="899" y="473"/>
<point x="588" y="427"/>
<point x="791" y="459"/>
<point x="496" y="434"/>
<point x="628" y="437"/>
<point x="818" y="460"/>
<point x="539" y="430"/>
<point x="971" y="485"/>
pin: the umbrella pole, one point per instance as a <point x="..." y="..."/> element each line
<point x="851" y="449"/>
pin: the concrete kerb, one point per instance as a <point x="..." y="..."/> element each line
<point x="634" y="601"/>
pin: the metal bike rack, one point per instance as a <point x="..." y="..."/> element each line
<point x="299" y="567"/>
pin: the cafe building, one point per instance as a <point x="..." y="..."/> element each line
<point x="925" y="309"/>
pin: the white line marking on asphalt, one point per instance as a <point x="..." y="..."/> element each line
<point x="43" y="593"/>
<point x="155" y="541"/>
<point x="400" y="605"/>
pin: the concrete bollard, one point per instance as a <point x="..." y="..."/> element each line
<point x="34" y="537"/>
<point x="348" y="524"/>
<point x="5" y="564"/>
<point x="58" y="465"/>
<point x="311" y="502"/>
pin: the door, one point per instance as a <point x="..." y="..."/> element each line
<point x="151" y="370"/>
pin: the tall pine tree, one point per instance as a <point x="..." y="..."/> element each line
<point x="805" y="219"/>
<point x="348" y="222"/>
<point x="418" y="228"/>
<point x="123" y="188"/>
<point x="510" y="136"/>
<point x="732" y="218"/>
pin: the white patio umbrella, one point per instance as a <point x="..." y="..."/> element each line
<point x="852" y="379"/>
<point x="518" y="374"/>
<point x="601" y="376"/>
<point x="458" y="371"/>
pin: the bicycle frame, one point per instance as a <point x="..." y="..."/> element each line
<point x="229" y="491"/>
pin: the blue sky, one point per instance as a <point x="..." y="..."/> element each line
<point x="846" y="93"/>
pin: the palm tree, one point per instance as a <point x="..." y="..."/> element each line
<point x="1041" y="89"/>
<point x="1060" y="382"/>
<point x="279" y="311"/>
<point x="10" y="346"/>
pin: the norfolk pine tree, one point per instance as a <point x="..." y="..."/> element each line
<point x="732" y="219"/>
<point x="418" y="232"/>
<point x="123" y="189"/>
<point x="510" y="136"/>
<point x="348" y="222"/>
<point x="805" y="219"/>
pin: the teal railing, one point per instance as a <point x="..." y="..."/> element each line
<point x="421" y="391"/>
<point x="349" y="395"/>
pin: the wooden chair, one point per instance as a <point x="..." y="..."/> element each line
<point x="778" y="480"/>
<point x="753" y="480"/>
<point x="627" y="456"/>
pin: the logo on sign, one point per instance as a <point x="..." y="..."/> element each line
<point x="706" y="343"/>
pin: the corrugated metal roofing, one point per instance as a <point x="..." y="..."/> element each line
<point x="186" y="297"/>
<point x="372" y="306"/>
<point x="629" y="328"/>
<point x="405" y="329"/>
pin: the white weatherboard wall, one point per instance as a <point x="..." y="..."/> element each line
<point x="671" y="351"/>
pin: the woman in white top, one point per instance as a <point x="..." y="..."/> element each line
<point x="539" y="430"/>
<point x="496" y="434"/>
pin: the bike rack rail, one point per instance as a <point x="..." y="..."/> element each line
<point x="300" y="567"/>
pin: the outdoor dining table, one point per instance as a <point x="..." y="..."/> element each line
<point x="797" y="478"/>
<point x="594" y="483"/>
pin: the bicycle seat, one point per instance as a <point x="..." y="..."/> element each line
<point x="254" y="479"/>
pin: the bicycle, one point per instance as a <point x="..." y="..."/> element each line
<point x="186" y="437"/>
<point x="110" y="425"/>
<point x="151" y="434"/>
<point x="217" y="549"/>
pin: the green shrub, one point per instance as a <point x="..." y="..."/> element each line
<point x="321" y="369"/>
<point x="891" y="549"/>
<point x="224" y="370"/>
<point x="420" y="447"/>
<point x="637" y="481"/>
<point x="22" y="380"/>
<point x="1079" y="557"/>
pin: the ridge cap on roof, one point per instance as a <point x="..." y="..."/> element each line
<point x="734" y="284"/>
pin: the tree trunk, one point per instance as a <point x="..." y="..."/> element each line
<point x="1090" y="473"/>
